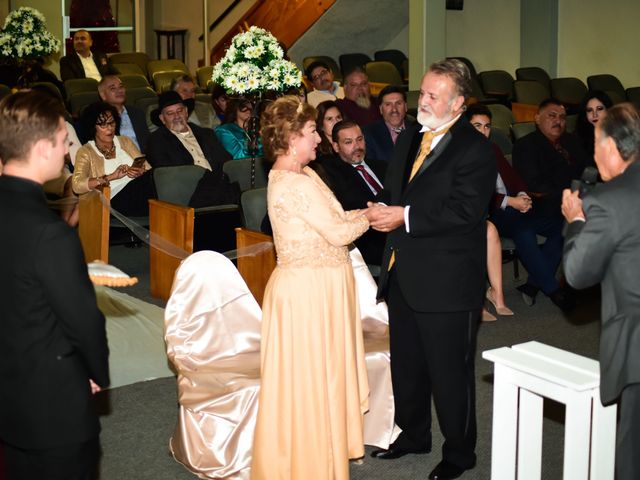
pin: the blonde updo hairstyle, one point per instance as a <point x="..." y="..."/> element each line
<point x="282" y="119"/>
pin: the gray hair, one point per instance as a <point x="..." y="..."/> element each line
<point x="622" y="124"/>
<point x="456" y="71"/>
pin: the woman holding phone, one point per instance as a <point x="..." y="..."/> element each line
<point x="114" y="160"/>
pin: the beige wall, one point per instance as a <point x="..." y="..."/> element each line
<point x="188" y="14"/>
<point x="599" y="37"/>
<point x="487" y="32"/>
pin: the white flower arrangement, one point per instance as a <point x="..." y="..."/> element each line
<point x="25" y="35"/>
<point x="254" y="64"/>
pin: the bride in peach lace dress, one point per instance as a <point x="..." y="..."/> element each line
<point x="314" y="389"/>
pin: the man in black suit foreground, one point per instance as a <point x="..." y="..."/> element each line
<point x="355" y="181"/>
<point x="53" y="346"/>
<point x="438" y="189"/>
<point x="603" y="246"/>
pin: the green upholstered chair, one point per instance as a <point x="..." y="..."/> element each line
<point x="254" y="207"/>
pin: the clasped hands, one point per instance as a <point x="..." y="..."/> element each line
<point x="384" y="218"/>
<point x="521" y="202"/>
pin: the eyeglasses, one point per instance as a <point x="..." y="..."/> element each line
<point x="320" y="74"/>
<point x="107" y="124"/>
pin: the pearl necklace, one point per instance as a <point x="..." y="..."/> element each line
<point x="108" y="153"/>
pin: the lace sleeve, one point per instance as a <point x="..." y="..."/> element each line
<point x="322" y="212"/>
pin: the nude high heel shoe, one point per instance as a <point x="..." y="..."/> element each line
<point x="488" y="316"/>
<point x="504" y="311"/>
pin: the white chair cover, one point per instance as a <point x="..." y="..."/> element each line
<point x="212" y="331"/>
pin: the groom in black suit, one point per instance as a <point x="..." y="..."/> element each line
<point x="355" y="181"/>
<point x="53" y="346"/>
<point x="437" y="189"/>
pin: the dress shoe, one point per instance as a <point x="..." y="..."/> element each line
<point x="446" y="471"/>
<point x="529" y="293"/>
<point x="397" y="452"/>
<point x="503" y="311"/>
<point x="564" y="299"/>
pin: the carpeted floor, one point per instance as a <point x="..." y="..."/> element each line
<point x="138" y="419"/>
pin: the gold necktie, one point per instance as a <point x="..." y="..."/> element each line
<point x="425" y="148"/>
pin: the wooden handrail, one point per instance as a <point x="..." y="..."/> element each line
<point x="287" y="20"/>
<point x="220" y="18"/>
<point x="217" y="52"/>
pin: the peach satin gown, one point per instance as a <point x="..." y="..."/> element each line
<point x="314" y="379"/>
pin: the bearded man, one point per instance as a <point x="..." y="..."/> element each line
<point x="357" y="104"/>
<point x="438" y="187"/>
<point x="179" y="142"/>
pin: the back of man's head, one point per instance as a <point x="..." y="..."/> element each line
<point x="622" y="124"/>
<point x="25" y="118"/>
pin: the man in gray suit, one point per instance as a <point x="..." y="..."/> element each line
<point x="603" y="246"/>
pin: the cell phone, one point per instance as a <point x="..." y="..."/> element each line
<point x="138" y="162"/>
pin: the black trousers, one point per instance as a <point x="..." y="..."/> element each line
<point x="433" y="355"/>
<point x="628" y="438"/>
<point x="133" y="199"/>
<point x="71" y="462"/>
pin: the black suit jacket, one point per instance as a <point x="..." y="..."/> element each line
<point x="71" y="66"/>
<point x="52" y="335"/>
<point x="545" y="170"/>
<point x="378" y="140"/>
<point x="353" y="193"/>
<point x="139" y="122"/>
<point x="165" y="150"/>
<point x="441" y="264"/>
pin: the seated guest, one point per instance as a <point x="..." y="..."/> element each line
<point x="381" y="136"/>
<point x="219" y="101"/>
<point x="300" y="92"/>
<point x="35" y="72"/>
<point x="132" y="119"/>
<point x="178" y="142"/>
<point x="324" y="87"/>
<point x="357" y="104"/>
<point x="355" y="181"/>
<point x="83" y="63"/>
<point x="328" y="115"/>
<point x="110" y="159"/>
<point x="592" y="109"/>
<point x="549" y="158"/>
<point x="233" y="132"/>
<point x="203" y="114"/>
<point x="517" y="217"/>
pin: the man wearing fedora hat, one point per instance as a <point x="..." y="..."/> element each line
<point x="179" y="142"/>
